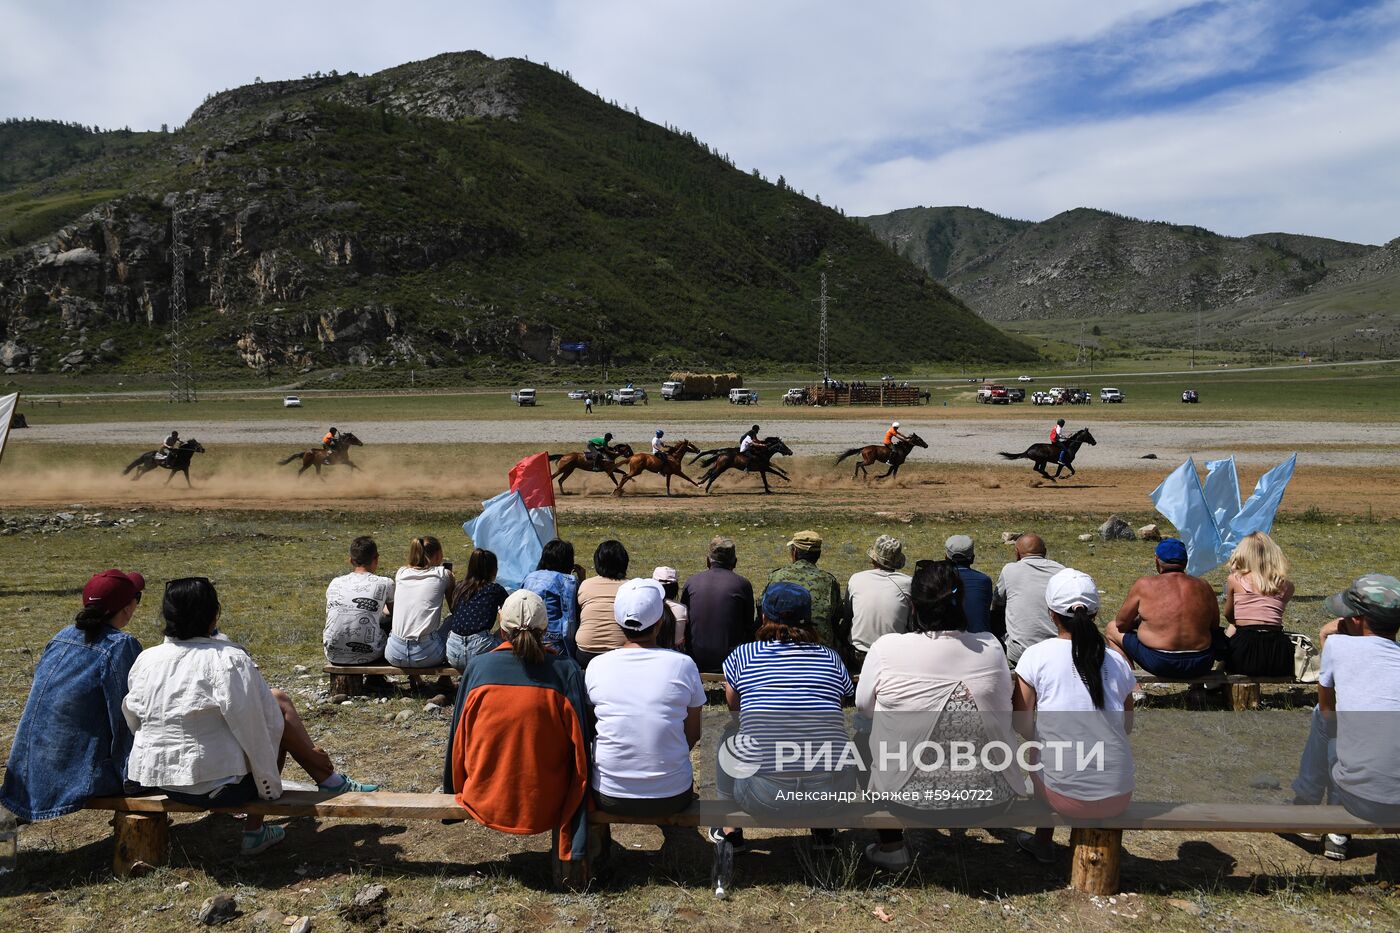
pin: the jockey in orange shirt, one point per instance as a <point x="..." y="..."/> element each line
<point x="893" y="435"/>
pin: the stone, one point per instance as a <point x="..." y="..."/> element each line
<point x="1185" y="906"/>
<point x="267" y="919"/>
<point x="1148" y="457"/>
<point x="299" y="669"/>
<point x="221" y="908"/>
<point x="1086" y="537"/>
<point x="367" y="903"/>
<point x="339" y="698"/>
<point x="1008" y="537"/>
<point x="108" y="346"/>
<point x="1115" y="529"/>
<point x="429" y="707"/>
<point x="1149" y="533"/>
<point x="439" y="700"/>
<point x="303" y="925"/>
<point x="404" y="715"/>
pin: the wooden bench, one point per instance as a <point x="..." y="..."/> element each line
<point x="142" y="824"/>
<point x="349" y="679"/>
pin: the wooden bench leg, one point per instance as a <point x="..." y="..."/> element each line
<point x="1096" y="856"/>
<point x="572" y="875"/>
<point x="143" y="839"/>
<point x="1244" y="696"/>
<point x="349" y="684"/>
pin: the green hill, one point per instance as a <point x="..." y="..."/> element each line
<point x="445" y="213"/>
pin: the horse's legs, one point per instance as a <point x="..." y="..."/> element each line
<point x="306" y="465"/>
<point x="187" y="478"/>
<point x="763" y="475"/>
<point x="1040" y="468"/>
<point x="169" y="478"/>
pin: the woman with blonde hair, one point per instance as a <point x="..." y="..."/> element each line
<point x="417" y="638"/>
<point x="1256" y="593"/>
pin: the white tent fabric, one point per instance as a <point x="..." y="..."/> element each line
<point x="7" y="411"/>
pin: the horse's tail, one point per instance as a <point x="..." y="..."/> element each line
<point x="850" y="453"/>
<point x="134" y="464"/>
<point x="1024" y="455"/>
<point x="291" y="458"/>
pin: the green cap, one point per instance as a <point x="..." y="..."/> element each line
<point x="1375" y="596"/>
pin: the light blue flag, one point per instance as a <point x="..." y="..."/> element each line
<point x="504" y="527"/>
<point x="1181" y="499"/>
<point x="1258" y="513"/>
<point x="1222" y="491"/>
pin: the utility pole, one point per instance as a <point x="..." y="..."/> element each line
<point x="822" y="301"/>
<point x="181" y="371"/>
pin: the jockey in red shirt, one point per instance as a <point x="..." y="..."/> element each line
<point x="1058" y="436"/>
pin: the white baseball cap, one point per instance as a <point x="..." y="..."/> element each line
<point x="1070" y="588"/>
<point x="639" y="604"/>
<point x="665" y="575"/>
<point x="895" y="424"/>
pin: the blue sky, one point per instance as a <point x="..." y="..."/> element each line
<point x="1239" y="115"/>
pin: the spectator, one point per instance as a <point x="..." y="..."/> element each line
<point x="976" y="585"/>
<point x="1071" y="689"/>
<point x="474" y="604"/>
<point x="417" y="638"/>
<point x="517" y="752"/>
<point x="1169" y="624"/>
<point x="72" y="742"/>
<point x="1256" y="593"/>
<point x="939" y="683"/>
<point x="785" y="687"/>
<point x="646" y="704"/>
<point x="828" y="611"/>
<point x="1020" y="592"/>
<point x="877" y="600"/>
<point x="720" y="605"/>
<point x="555" y="582"/>
<point x="357" y="608"/>
<point x="208" y="730"/>
<point x="1352" y="752"/>
<point x="674" y="638"/>
<point x="597" y="629"/>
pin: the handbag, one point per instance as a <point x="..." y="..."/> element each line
<point x="1306" y="661"/>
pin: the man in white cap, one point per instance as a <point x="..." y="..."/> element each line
<point x="877" y="600"/>
<point x="647" y="702"/>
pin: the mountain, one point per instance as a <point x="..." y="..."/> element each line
<point x="458" y="211"/>
<point x="1093" y="265"/>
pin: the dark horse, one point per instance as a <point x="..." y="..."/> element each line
<point x="879" y="453"/>
<point x="671" y="466"/>
<point x="1046" y="453"/>
<point x="177" y="461"/>
<point x="755" y="461"/>
<point x="316" y="457"/>
<point x="589" y="462"/>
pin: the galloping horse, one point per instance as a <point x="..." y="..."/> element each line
<point x="755" y="461"/>
<point x="177" y="461"/>
<point x="651" y="463"/>
<point x="879" y="453"/>
<point x="1045" y="453"/>
<point x="316" y="457"/>
<point x="588" y="463"/>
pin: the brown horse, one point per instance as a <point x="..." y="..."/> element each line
<point x="879" y="453"/>
<point x="316" y="457"/>
<point x="568" y="463"/>
<point x="651" y="463"/>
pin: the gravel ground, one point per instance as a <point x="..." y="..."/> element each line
<point x="1121" y="443"/>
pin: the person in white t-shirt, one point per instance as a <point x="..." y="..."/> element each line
<point x="357" y="608"/>
<point x="418" y="638"/>
<point x="647" y="703"/>
<point x="1070" y="689"/>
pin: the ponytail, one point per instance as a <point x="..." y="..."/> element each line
<point x="1088" y="650"/>
<point x="527" y="646"/>
<point x="422" y="550"/>
<point x="91" y="620"/>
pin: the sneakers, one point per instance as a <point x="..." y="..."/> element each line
<point x="1335" y="847"/>
<point x="716" y="834"/>
<point x="890" y="860"/>
<point x="1027" y="843"/>
<point x="346" y="785"/>
<point x="262" y="839"/>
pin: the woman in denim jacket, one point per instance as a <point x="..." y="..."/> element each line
<point x="72" y="742"/>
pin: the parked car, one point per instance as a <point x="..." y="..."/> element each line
<point x="292" y="401"/>
<point x="523" y="397"/>
<point x="743" y="397"/>
<point x="1024" y="379"/>
<point x="1191" y="396"/>
<point x="1016" y="394"/>
<point x="626" y="395"/>
<point x="1111" y="395"/>
<point x="993" y="394"/>
<point x="1042" y="398"/>
<point x="578" y="395"/>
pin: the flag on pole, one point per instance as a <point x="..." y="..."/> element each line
<point x="1258" y="513"/>
<point x="7" y="413"/>
<point x="1181" y="500"/>
<point x="516" y="524"/>
<point x="1210" y="519"/>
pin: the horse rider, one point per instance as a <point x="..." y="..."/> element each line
<point x="172" y="441"/>
<point x="329" y="444"/>
<point x="1058" y="437"/>
<point x="750" y="443"/>
<point x="659" y="449"/>
<point x="600" y="448"/>
<point x="893" y="434"/>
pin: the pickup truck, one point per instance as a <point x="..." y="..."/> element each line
<point x="1111" y="395"/>
<point x="993" y="394"/>
<point x="523" y="397"/>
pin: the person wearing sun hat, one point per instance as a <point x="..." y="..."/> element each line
<point x="673" y="632"/>
<point x="72" y="742"/>
<point x="1169" y="623"/>
<point x="517" y="751"/>
<point x="1352" y="754"/>
<point x="646" y="705"/>
<point x="828" y="609"/>
<point x="877" y="600"/>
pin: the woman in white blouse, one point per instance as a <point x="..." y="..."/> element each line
<point x="208" y="729"/>
<point x="418" y="638"/>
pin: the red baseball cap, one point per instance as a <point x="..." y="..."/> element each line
<point x="112" y="589"/>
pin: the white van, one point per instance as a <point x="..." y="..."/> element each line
<point x="523" y="397"/>
<point x="626" y="396"/>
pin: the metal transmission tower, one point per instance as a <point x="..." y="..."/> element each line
<point x="181" y="370"/>
<point x="822" y="301"/>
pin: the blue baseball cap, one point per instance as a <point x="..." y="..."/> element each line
<point x="1171" y="551"/>
<point x="787" y="603"/>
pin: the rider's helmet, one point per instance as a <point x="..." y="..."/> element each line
<point x="1061" y="422"/>
<point x="895" y="425"/>
<point x="608" y="436"/>
<point x="174" y="433"/>
<point x="660" y="433"/>
<point x="334" y="431"/>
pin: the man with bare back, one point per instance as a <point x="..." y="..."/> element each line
<point x="1169" y="624"/>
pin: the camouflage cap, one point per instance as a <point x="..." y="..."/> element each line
<point x="806" y="541"/>
<point x="1375" y="596"/>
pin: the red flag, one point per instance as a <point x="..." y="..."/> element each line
<point x="531" y="478"/>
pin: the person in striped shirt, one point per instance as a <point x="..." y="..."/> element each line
<point x="787" y="688"/>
